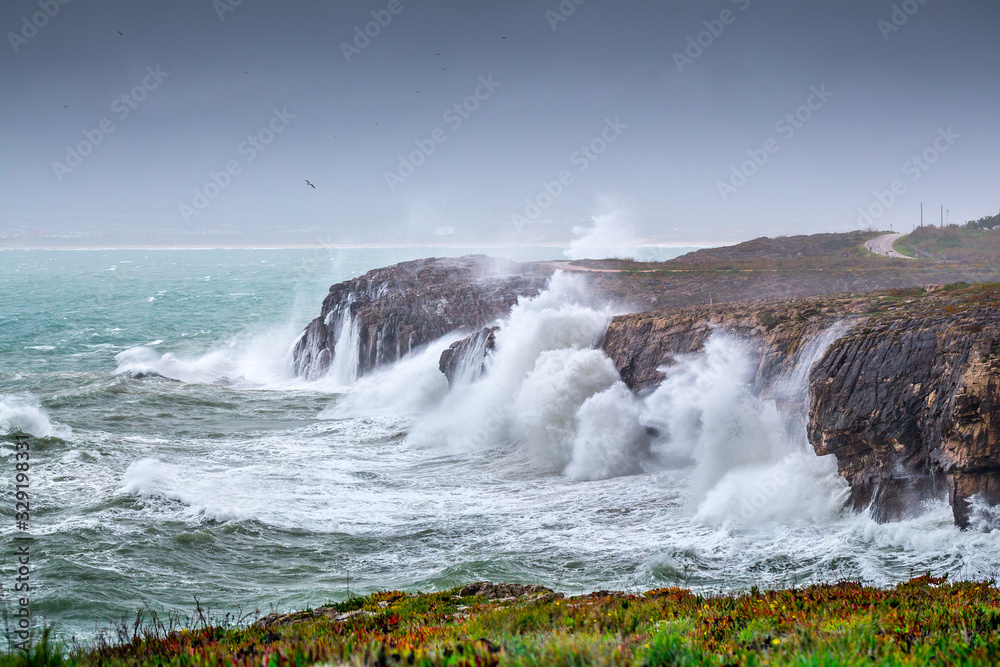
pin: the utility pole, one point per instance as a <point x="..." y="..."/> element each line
<point x="942" y="215"/>
<point x="921" y="215"/>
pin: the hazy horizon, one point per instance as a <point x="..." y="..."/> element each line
<point x="393" y="122"/>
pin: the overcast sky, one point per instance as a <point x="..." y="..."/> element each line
<point x="645" y="111"/>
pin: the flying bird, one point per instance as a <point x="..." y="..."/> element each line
<point x="310" y="184"/>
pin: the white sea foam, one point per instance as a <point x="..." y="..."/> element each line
<point x="753" y="462"/>
<point x="610" y="440"/>
<point x="257" y="360"/>
<point x="542" y="372"/>
<point x="705" y="411"/>
<point x="547" y="403"/>
<point x="344" y="369"/>
<point x="562" y="403"/>
<point x="983" y="516"/>
<point x="412" y="385"/>
<point x="152" y="478"/>
<point x="25" y="414"/>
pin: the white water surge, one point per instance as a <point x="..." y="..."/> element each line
<point x="24" y="414"/>
<point x="176" y="454"/>
<point x="559" y="401"/>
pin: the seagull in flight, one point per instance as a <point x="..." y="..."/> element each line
<point x="310" y="184"/>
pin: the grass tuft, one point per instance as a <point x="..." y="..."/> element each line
<point x="926" y="620"/>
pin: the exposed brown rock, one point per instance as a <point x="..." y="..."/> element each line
<point x="468" y="354"/>
<point x="491" y="591"/>
<point x="642" y="343"/>
<point x="402" y="307"/>
<point x="908" y="400"/>
<point x="909" y="406"/>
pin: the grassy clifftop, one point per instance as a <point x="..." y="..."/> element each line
<point x="924" y="621"/>
<point x="765" y="269"/>
<point x="841" y="249"/>
<point x="963" y="244"/>
<point x="845" y="248"/>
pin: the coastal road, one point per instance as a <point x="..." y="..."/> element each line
<point x="882" y="245"/>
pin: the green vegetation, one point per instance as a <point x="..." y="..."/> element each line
<point x="985" y="223"/>
<point x="791" y="255"/>
<point x="768" y="319"/>
<point x="975" y="241"/>
<point x="835" y="246"/>
<point x="902" y="246"/>
<point x="924" y="621"/>
<point x="779" y="268"/>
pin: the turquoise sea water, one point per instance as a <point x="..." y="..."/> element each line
<point x="175" y="457"/>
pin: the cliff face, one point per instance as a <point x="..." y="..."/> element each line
<point x="379" y="317"/>
<point x="465" y="360"/>
<point x="642" y="343"/>
<point x="910" y="409"/>
<point x="908" y="401"/>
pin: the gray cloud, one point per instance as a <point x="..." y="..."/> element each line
<point x="354" y="122"/>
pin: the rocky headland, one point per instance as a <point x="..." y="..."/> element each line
<point x="905" y="395"/>
<point x="393" y="310"/>
<point x="906" y="398"/>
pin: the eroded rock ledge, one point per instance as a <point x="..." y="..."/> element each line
<point x="388" y="312"/>
<point x="909" y="406"/>
<point x="907" y="398"/>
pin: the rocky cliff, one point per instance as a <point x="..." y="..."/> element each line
<point x="907" y="398"/>
<point x="643" y="343"/>
<point x="909" y="406"/>
<point x="379" y="317"/>
<point x="465" y="360"/>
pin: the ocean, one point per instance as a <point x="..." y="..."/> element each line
<point x="175" y="457"/>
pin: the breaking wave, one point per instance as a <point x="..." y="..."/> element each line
<point x="255" y="360"/>
<point x="25" y="414"/>
<point x="547" y="389"/>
